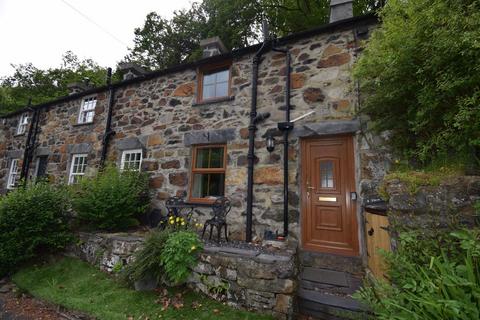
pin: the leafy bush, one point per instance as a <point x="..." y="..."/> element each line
<point x="430" y="279"/>
<point x="179" y="255"/>
<point x="146" y="261"/>
<point x="420" y="77"/>
<point x="112" y="200"/>
<point x="32" y="221"/>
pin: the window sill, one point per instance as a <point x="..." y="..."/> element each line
<point x="213" y="101"/>
<point x="82" y="124"/>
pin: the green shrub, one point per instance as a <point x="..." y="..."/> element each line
<point x="420" y="77"/>
<point x="179" y="255"/>
<point x="430" y="279"/>
<point x="146" y="261"/>
<point x="112" y="200"/>
<point x="32" y="221"/>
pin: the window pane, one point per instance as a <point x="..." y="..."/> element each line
<point x="216" y="158"/>
<point x="209" y="78"/>
<point x="208" y="185"/>
<point x="222" y="89"/>
<point x="208" y="91"/>
<point x="222" y="76"/>
<point x="326" y="174"/>
<point x="202" y="158"/>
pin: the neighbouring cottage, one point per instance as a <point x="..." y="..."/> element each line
<point x="197" y="128"/>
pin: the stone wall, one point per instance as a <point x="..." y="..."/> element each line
<point x="250" y="278"/>
<point x="446" y="205"/>
<point x="161" y="116"/>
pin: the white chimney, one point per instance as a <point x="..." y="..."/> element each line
<point x="340" y="10"/>
<point x="212" y="47"/>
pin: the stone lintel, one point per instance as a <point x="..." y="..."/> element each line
<point x="129" y="144"/>
<point x="14" y="154"/>
<point x="326" y="128"/>
<point x="42" y="152"/>
<point x="79" y="148"/>
<point x="209" y="136"/>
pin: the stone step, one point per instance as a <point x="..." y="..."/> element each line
<point x="351" y="265"/>
<point x="324" y="301"/>
<point x="329" y="280"/>
<point x="312" y="310"/>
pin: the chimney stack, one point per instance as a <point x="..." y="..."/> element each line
<point x="212" y="47"/>
<point x="77" y="87"/>
<point x="130" y="70"/>
<point x="340" y="10"/>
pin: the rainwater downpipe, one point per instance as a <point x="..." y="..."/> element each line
<point x="30" y="143"/>
<point x="108" y="126"/>
<point x="254" y="119"/>
<point x="285" y="127"/>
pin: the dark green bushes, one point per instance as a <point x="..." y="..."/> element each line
<point x="431" y="279"/>
<point x="32" y="221"/>
<point x="420" y="77"/>
<point x="112" y="200"/>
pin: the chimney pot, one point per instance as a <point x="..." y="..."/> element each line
<point x="212" y="47"/>
<point x="130" y="70"/>
<point x="340" y="10"/>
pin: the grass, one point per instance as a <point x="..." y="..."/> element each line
<point x="77" y="285"/>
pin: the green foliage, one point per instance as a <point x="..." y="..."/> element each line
<point x="420" y="77"/>
<point x="29" y="81"/>
<point x="76" y="285"/>
<point x="431" y="278"/>
<point x="179" y="255"/>
<point x="32" y="222"/>
<point x="161" y="43"/>
<point x="146" y="261"/>
<point x="112" y="200"/>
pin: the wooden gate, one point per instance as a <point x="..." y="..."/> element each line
<point x="377" y="238"/>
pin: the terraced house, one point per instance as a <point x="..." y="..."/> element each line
<point x="220" y="126"/>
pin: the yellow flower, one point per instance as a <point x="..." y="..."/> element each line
<point x="193" y="248"/>
<point x="171" y="222"/>
<point x="178" y="219"/>
<point x="183" y="223"/>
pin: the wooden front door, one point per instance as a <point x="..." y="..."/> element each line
<point x="329" y="222"/>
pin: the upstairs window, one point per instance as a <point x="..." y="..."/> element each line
<point x="77" y="168"/>
<point x="208" y="172"/>
<point x="13" y="174"/>
<point x="131" y="160"/>
<point x="87" y="110"/>
<point x="22" y="124"/>
<point x="214" y="83"/>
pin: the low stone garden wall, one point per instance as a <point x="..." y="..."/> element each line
<point x="253" y="278"/>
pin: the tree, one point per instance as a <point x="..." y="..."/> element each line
<point x="29" y="81"/>
<point x="420" y="76"/>
<point x="161" y="43"/>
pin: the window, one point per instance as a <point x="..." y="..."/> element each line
<point x="22" y="124"/>
<point x="214" y="83"/>
<point x="13" y="174"/>
<point x="41" y="167"/>
<point x="77" y="168"/>
<point x="87" y="110"/>
<point x="326" y="174"/>
<point x="131" y="160"/>
<point x="208" y="172"/>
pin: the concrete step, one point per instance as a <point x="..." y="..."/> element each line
<point x="323" y="300"/>
<point x="329" y="280"/>
<point x="351" y="265"/>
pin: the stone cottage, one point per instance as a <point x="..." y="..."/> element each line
<point x="202" y="129"/>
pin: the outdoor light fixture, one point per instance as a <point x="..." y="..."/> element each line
<point x="270" y="143"/>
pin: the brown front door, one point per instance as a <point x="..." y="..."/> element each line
<point x="329" y="222"/>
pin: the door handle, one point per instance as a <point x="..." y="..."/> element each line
<point x="370" y="232"/>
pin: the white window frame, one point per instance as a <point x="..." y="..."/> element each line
<point x="130" y="152"/>
<point x="87" y="110"/>
<point x="73" y="175"/>
<point x="13" y="174"/>
<point x="22" y="124"/>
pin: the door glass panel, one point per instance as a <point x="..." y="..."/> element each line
<point x="326" y="174"/>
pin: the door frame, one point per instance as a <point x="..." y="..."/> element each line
<point x="351" y="187"/>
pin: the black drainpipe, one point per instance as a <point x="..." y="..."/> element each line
<point x="108" y="126"/>
<point x="285" y="127"/>
<point x="30" y="143"/>
<point x="254" y="119"/>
